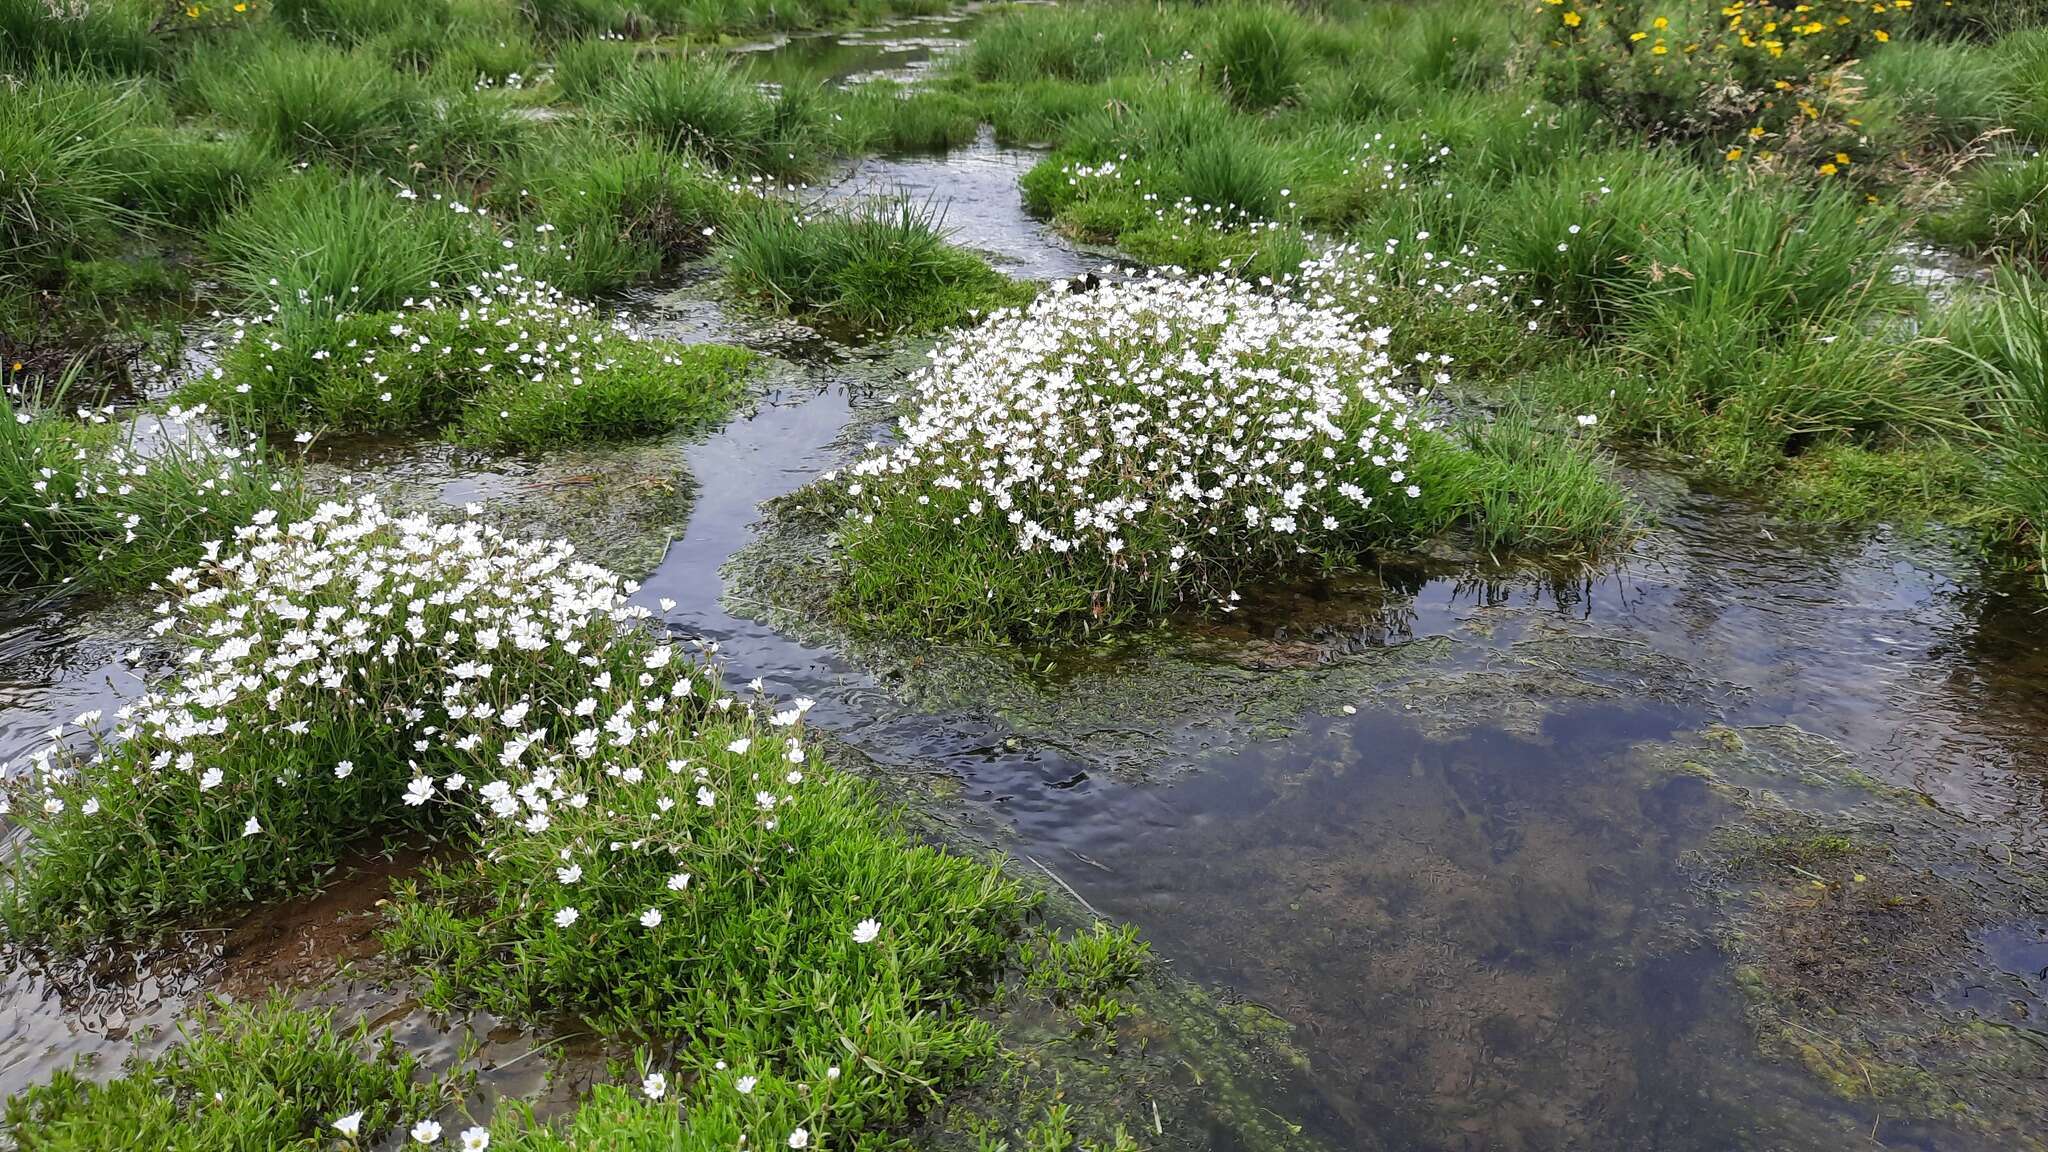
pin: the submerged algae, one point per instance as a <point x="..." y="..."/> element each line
<point x="1866" y="927"/>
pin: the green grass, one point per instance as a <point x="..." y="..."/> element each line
<point x="702" y="106"/>
<point x="879" y="265"/>
<point x="116" y="35"/>
<point x="1082" y="43"/>
<point x="1941" y="95"/>
<point x="61" y="171"/>
<point x="354" y="21"/>
<point x="619" y="214"/>
<point x="2002" y="342"/>
<point x="1255" y="57"/>
<point x="320" y="242"/>
<point x="882" y="116"/>
<point x="313" y="101"/>
<point x="2023" y="91"/>
<point x="2001" y="206"/>
<point x="585" y="68"/>
<point x="1530" y="488"/>
<point x="265" y="1077"/>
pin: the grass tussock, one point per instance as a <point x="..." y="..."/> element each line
<point x="703" y="107"/>
<point x="882" y="264"/>
<point x="2002" y="343"/>
<point x="322" y="243"/>
<point x="314" y="101"/>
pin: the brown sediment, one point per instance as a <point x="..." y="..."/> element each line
<point x="297" y="945"/>
<point x="1859" y="938"/>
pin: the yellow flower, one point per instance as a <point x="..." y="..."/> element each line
<point x="1660" y="23"/>
<point x="193" y="12"/>
<point x="1882" y="35"/>
<point x="1828" y="169"/>
<point x="1634" y="36"/>
<point x="241" y="7"/>
<point x="1841" y="158"/>
<point x="1734" y="154"/>
<point x="1756" y="132"/>
<point x="1659" y="49"/>
<point x="1571" y="19"/>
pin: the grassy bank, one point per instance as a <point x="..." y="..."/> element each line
<point x="1699" y="222"/>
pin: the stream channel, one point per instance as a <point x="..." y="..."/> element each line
<point x="1499" y="854"/>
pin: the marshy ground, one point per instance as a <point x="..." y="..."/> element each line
<point x="1665" y="773"/>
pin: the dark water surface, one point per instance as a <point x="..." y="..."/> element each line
<point x="1469" y="894"/>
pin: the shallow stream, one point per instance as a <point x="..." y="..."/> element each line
<point x="1476" y="835"/>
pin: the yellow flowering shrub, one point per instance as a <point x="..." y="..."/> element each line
<point x="1753" y="81"/>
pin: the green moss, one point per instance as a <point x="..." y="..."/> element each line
<point x="1909" y="484"/>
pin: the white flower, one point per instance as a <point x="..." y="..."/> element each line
<point x="349" y="1124"/>
<point x="832" y="1073"/>
<point x="566" y="917"/>
<point x="745" y="1084"/>
<point x="801" y="1138"/>
<point x="419" y="791"/>
<point x="655" y="1086"/>
<point x="570" y="874"/>
<point x="251" y="827"/>
<point x="475" y="1139"/>
<point x="210" y="780"/>
<point x="1587" y="420"/>
<point x="342" y="769"/>
<point x="426" y="1132"/>
<point x="739" y="747"/>
<point x="866" y="931"/>
<point x="679" y="881"/>
<point x="650" y="918"/>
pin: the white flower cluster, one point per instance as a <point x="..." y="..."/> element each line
<point x="1358" y="275"/>
<point x="1164" y="424"/>
<point x="447" y="640"/>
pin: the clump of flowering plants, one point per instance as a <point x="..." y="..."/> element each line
<point x="1100" y="455"/>
<point x="509" y="361"/>
<point x="665" y="859"/>
<point x="334" y="674"/>
<point x="708" y="879"/>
